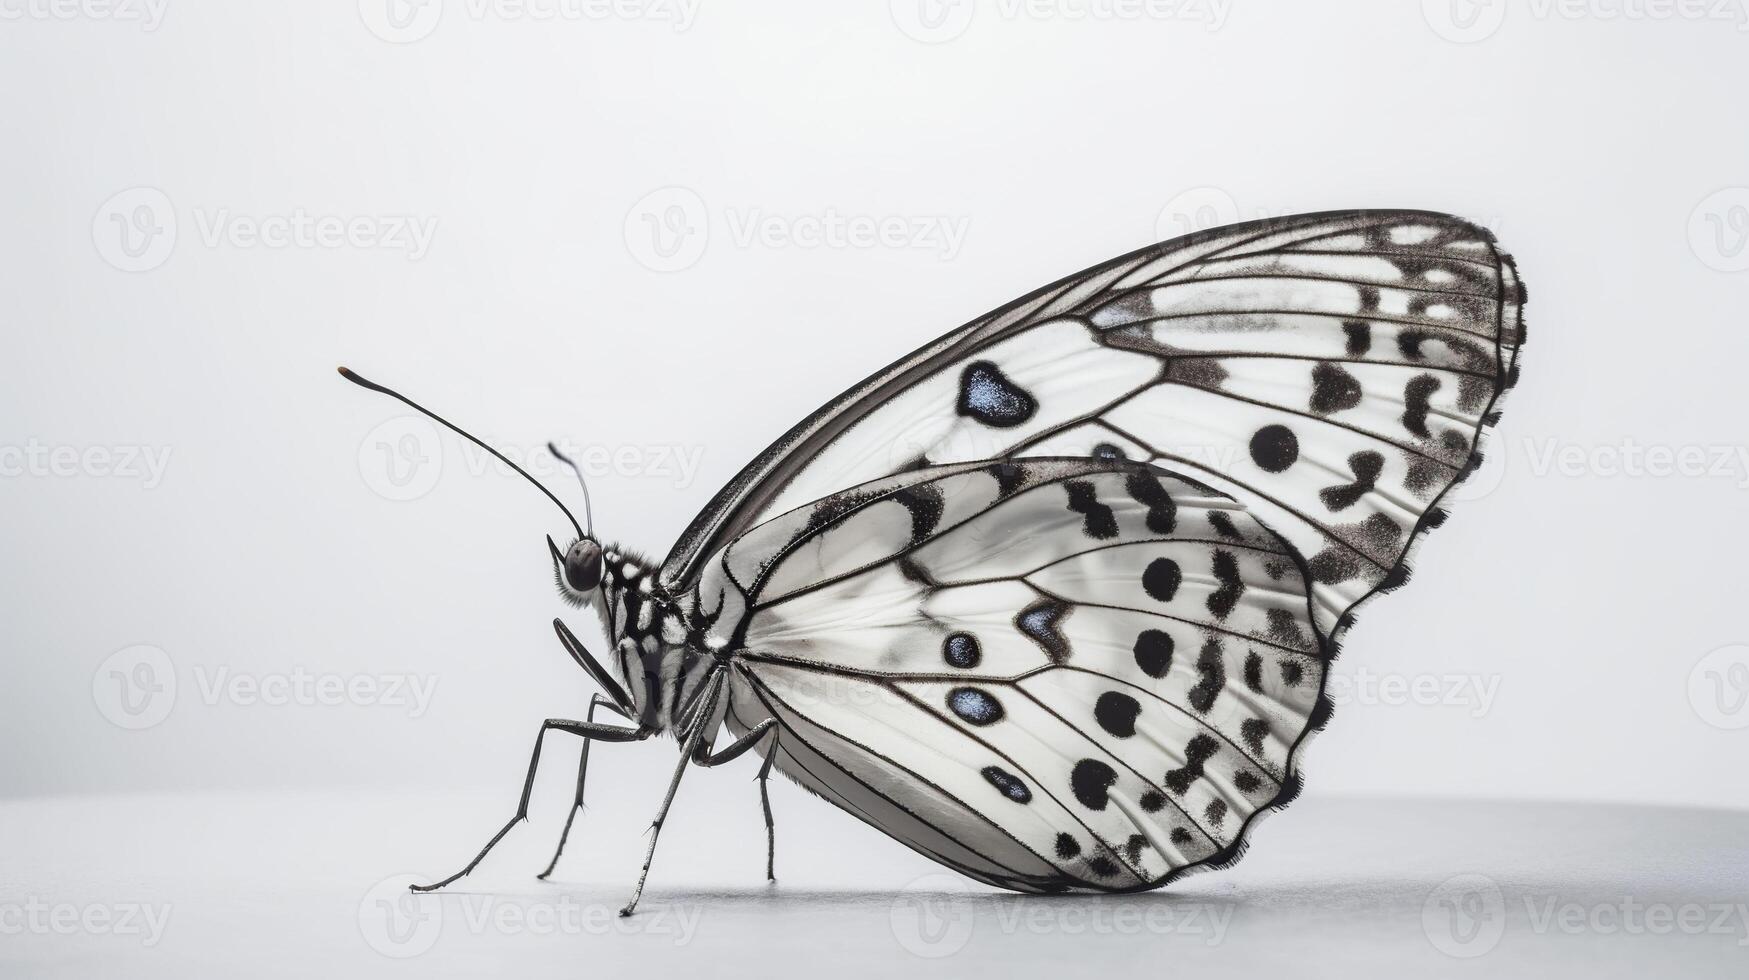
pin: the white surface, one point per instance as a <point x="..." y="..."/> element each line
<point x="286" y="886"/>
<point x="1559" y="620"/>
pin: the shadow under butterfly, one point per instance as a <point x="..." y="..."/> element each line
<point x="1073" y="632"/>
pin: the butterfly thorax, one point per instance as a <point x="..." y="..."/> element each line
<point x="659" y="645"/>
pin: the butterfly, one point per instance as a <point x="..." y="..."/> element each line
<point x="1053" y="599"/>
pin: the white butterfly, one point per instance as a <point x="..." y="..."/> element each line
<point x="1053" y="599"/>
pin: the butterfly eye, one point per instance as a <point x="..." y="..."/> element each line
<point x="583" y="565"/>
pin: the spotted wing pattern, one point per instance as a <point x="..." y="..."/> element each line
<point x="1333" y="372"/>
<point x="1047" y="673"/>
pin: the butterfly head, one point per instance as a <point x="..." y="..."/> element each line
<point x="577" y="570"/>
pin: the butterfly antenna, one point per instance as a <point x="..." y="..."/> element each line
<point x="588" y="511"/>
<point x="363" y="382"/>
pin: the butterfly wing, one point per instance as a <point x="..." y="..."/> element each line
<point x="1046" y="673"/>
<point x="1334" y="372"/>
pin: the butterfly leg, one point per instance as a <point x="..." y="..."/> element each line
<point x="707" y="703"/>
<point x="582" y="774"/>
<point x="736" y="750"/>
<point x="588" y="730"/>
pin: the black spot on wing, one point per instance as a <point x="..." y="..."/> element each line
<point x="1254" y="672"/>
<point x="1132" y="848"/>
<point x="1161" y="579"/>
<point x="1091" y="781"/>
<point x="1154" y="652"/>
<point x="1292" y="672"/>
<point x="961" y="650"/>
<point x="1284" y="628"/>
<point x="1042" y="623"/>
<point x="1224" y="526"/>
<point x="1216" y="812"/>
<point x="1098" y="521"/>
<point x="1274" y="448"/>
<point x="1416" y="396"/>
<point x="1148" y="491"/>
<point x="1332" y="566"/>
<point x="987" y="395"/>
<point x="1223" y="599"/>
<point x="1333" y="389"/>
<point x="1067" y="847"/>
<point x="1246" y="781"/>
<point x="1253" y="732"/>
<point x="973" y="706"/>
<point x="1359" y="337"/>
<point x="1010" y="476"/>
<point x="1197" y="753"/>
<point x="1214" y="676"/>
<point x="1366" y="466"/>
<point x="1116" y="713"/>
<point x="1409" y="343"/>
<point x="1007" y="784"/>
<point x="924" y="501"/>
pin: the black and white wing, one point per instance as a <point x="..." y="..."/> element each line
<point x="1334" y="372"/>
<point x="1044" y="673"/>
<point x="1053" y="599"/>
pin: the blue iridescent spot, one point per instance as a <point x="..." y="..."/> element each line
<point x="961" y="650"/>
<point x="1010" y="786"/>
<point x="974" y="706"/>
<point x="987" y="395"/>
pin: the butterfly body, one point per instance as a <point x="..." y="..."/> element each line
<point x="1053" y="599"/>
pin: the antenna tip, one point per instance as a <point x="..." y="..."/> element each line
<point x="357" y="379"/>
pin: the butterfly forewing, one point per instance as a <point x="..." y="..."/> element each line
<point x="1333" y="372"/>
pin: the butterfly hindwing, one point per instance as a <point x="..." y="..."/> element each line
<point x="1047" y="673"/>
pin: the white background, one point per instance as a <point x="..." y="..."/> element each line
<point x="564" y="293"/>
